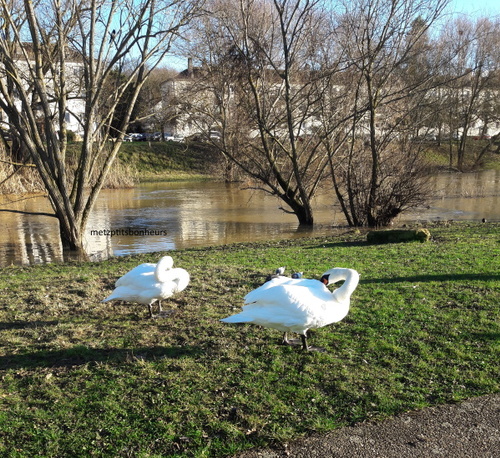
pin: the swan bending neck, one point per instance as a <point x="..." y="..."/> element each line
<point x="164" y="264"/>
<point x="351" y="280"/>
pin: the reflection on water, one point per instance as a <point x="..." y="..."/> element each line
<point x="466" y="196"/>
<point x="164" y="216"/>
<point x="27" y="239"/>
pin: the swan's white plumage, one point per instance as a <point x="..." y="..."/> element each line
<point x="148" y="268"/>
<point x="148" y="283"/>
<point x="296" y="305"/>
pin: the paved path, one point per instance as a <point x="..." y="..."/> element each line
<point x="467" y="430"/>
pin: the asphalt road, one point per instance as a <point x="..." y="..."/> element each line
<point x="470" y="429"/>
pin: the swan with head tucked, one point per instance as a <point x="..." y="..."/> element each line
<point x="296" y="305"/>
<point x="148" y="283"/>
<point x="148" y="268"/>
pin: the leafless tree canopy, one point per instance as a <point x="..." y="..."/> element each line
<point x="303" y="96"/>
<point x="308" y="89"/>
<point x="259" y="59"/>
<point x="470" y="96"/>
<point x="377" y="174"/>
<point x="82" y="59"/>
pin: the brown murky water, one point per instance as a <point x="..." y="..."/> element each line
<point x="164" y="216"/>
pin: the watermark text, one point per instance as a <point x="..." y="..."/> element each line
<point x="127" y="232"/>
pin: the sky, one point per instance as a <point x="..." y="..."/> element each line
<point x="476" y="7"/>
<point x="472" y="8"/>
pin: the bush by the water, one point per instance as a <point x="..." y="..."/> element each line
<point x="399" y="235"/>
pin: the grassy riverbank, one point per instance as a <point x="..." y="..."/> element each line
<point x="83" y="378"/>
<point x="155" y="161"/>
<point x="136" y="162"/>
<point x="167" y="161"/>
<point x="172" y="161"/>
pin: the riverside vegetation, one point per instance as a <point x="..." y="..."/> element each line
<point x="137" y="161"/>
<point x="172" y="161"/>
<point x="83" y="378"/>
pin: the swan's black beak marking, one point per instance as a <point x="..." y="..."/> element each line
<point x="324" y="279"/>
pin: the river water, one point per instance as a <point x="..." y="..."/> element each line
<point x="165" y="216"/>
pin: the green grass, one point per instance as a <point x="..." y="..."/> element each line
<point x="438" y="155"/>
<point x="82" y="378"/>
<point x="160" y="161"/>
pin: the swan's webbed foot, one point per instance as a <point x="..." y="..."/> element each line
<point x="303" y="341"/>
<point x="164" y="313"/>
<point x="307" y="347"/>
<point x="287" y="341"/>
<point x="161" y="313"/>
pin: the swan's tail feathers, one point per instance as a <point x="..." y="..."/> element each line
<point x="238" y="318"/>
<point x="109" y="298"/>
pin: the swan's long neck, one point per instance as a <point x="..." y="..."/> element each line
<point x="162" y="268"/>
<point x="351" y="280"/>
<point x="181" y="278"/>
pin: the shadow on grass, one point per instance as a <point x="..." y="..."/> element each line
<point x="26" y="324"/>
<point x="339" y="244"/>
<point x="431" y="278"/>
<point x="482" y="336"/>
<point x="80" y="355"/>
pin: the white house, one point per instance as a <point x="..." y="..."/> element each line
<point x="193" y="109"/>
<point x="75" y="106"/>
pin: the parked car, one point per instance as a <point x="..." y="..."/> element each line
<point x="426" y="138"/>
<point x="214" y="135"/>
<point x="481" y="137"/>
<point x="172" y="138"/>
<point x="136" y="137"/>
<point x="453" y="136"/>
<point x="148" y="137"/>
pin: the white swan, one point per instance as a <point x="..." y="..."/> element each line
<point x="148" y="283"/>
<point x="148" y="268"/>
<point x="296" y="305"/>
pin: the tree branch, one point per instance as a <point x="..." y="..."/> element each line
<point x="17" y="163"/>
<point x="52" y="215"/>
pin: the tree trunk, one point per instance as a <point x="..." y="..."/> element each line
<point x="305" y="217"/>
<point x="46" y="75"/>
<point x="303" y="212"/>
<point x="71" y="235"/>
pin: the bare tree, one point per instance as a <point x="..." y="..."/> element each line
<point x="149" y="107"/>
<point x="303" y="90"/>
<point x="377" y="173"/>
<point x="68" y="58"/>
<point x="472" y="90"/>
<point x="262" y="70"/>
